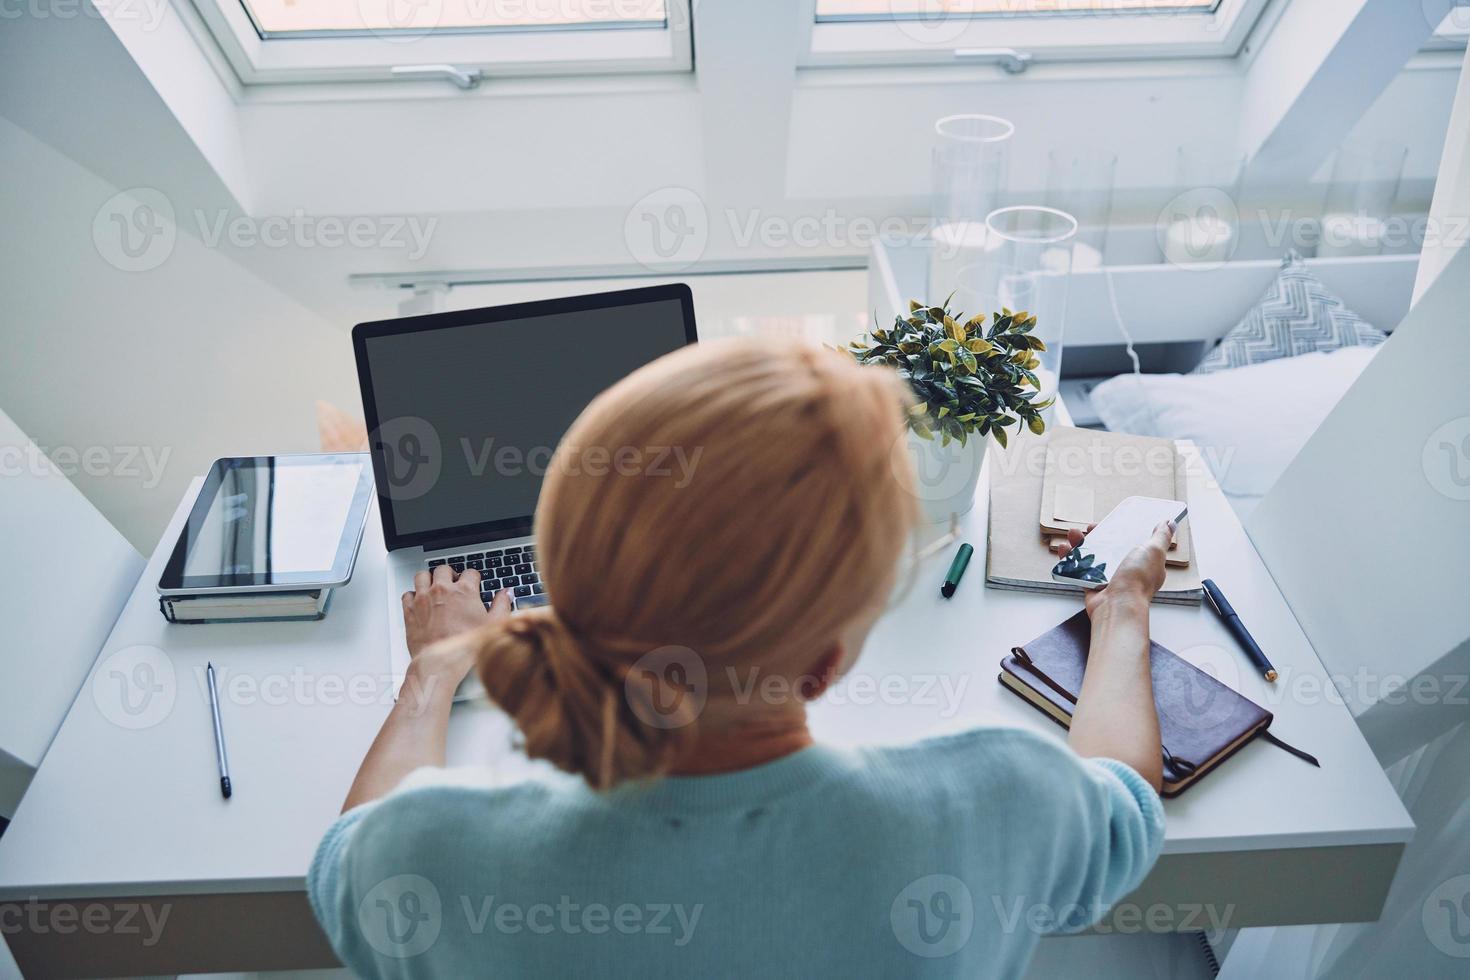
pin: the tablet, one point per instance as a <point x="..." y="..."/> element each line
<point x="273" y="523"/>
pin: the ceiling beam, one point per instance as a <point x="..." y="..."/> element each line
<point x="1322" y="65"/>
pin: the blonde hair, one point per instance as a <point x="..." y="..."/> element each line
<point x="778" y="523"/>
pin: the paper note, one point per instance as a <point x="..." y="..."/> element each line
<point x="1073" y="504"/>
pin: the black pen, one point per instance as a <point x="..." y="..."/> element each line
<point x="1232" y="622"/>
<point x="219" y="734"/>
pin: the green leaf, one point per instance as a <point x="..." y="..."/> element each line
<point x="1000" y="436"/>
<point x="1035" y="424"/>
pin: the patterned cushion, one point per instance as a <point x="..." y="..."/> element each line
<point x="1297" y="315"/>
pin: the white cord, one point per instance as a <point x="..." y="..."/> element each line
<point x="1128" y="342"/>
<point x="1118" y="317"/>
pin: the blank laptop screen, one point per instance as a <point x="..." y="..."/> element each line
<point x="469" y="415"/>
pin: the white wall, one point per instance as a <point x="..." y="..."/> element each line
<point x="1452" y="192"/>
<point x="1363" y="531"/>
<point x="153" y="373"/>
<point x="541" y="173"/>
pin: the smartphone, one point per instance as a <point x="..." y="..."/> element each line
<point x="1127" y="526"/>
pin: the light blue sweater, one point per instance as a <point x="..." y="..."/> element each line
<point x="944" y="858"/>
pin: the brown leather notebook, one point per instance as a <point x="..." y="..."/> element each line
<point x="1202" y="721"/>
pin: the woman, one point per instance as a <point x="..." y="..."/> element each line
<point x="698" y="830"/>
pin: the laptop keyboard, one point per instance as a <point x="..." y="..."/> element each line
<point x="511" y="568"/>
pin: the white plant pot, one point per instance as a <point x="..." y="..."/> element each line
<point x="946" y="476"/>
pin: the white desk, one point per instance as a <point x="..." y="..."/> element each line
<point x="119" y="816"/>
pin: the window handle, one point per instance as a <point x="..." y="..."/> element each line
<point x="465" y="79"/>
<point x="1014" y="62"/>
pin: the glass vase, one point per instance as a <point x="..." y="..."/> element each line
<point x="970" y="161"/>
<point x="1026" y="266"/>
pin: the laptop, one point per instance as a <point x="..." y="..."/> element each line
<point x="463" y="411"/>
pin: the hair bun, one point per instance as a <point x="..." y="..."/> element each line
<point x="574" y="708"/>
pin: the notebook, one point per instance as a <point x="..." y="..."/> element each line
<point x="1017" y="555"/>
<point x="1202" y="722"/>
<point x="1089" y="472"/>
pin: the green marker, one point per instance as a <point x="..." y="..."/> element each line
<point x="956" y="570"/>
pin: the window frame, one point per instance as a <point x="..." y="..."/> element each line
<point x="1056" y="37"/>
<point x="507" y="52"/>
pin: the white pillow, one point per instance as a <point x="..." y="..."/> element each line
<point x="1248" y="422"/>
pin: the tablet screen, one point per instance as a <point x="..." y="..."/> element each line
<point x="283" y="520"/>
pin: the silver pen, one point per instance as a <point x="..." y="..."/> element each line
<point x="219" y="734"/>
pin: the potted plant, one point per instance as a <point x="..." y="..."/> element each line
<point x="971" y="379"/>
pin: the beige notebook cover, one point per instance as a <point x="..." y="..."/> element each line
<point x="1017" y="557"/>
<point x="1089" y="472"/>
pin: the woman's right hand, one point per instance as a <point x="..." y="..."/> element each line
<point x="1139" y="575"/>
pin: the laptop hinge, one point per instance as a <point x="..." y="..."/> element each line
<point x="482" y="537"/>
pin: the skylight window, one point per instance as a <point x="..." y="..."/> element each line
<point x="459" y="41"/>
<point x="1016" y="33"/>
<point x="296" y="18"/>
<point x="888" y="9"/>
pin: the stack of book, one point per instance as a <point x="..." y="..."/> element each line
<point x="1070" y="478"/>
<point x="238" y="607"/>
